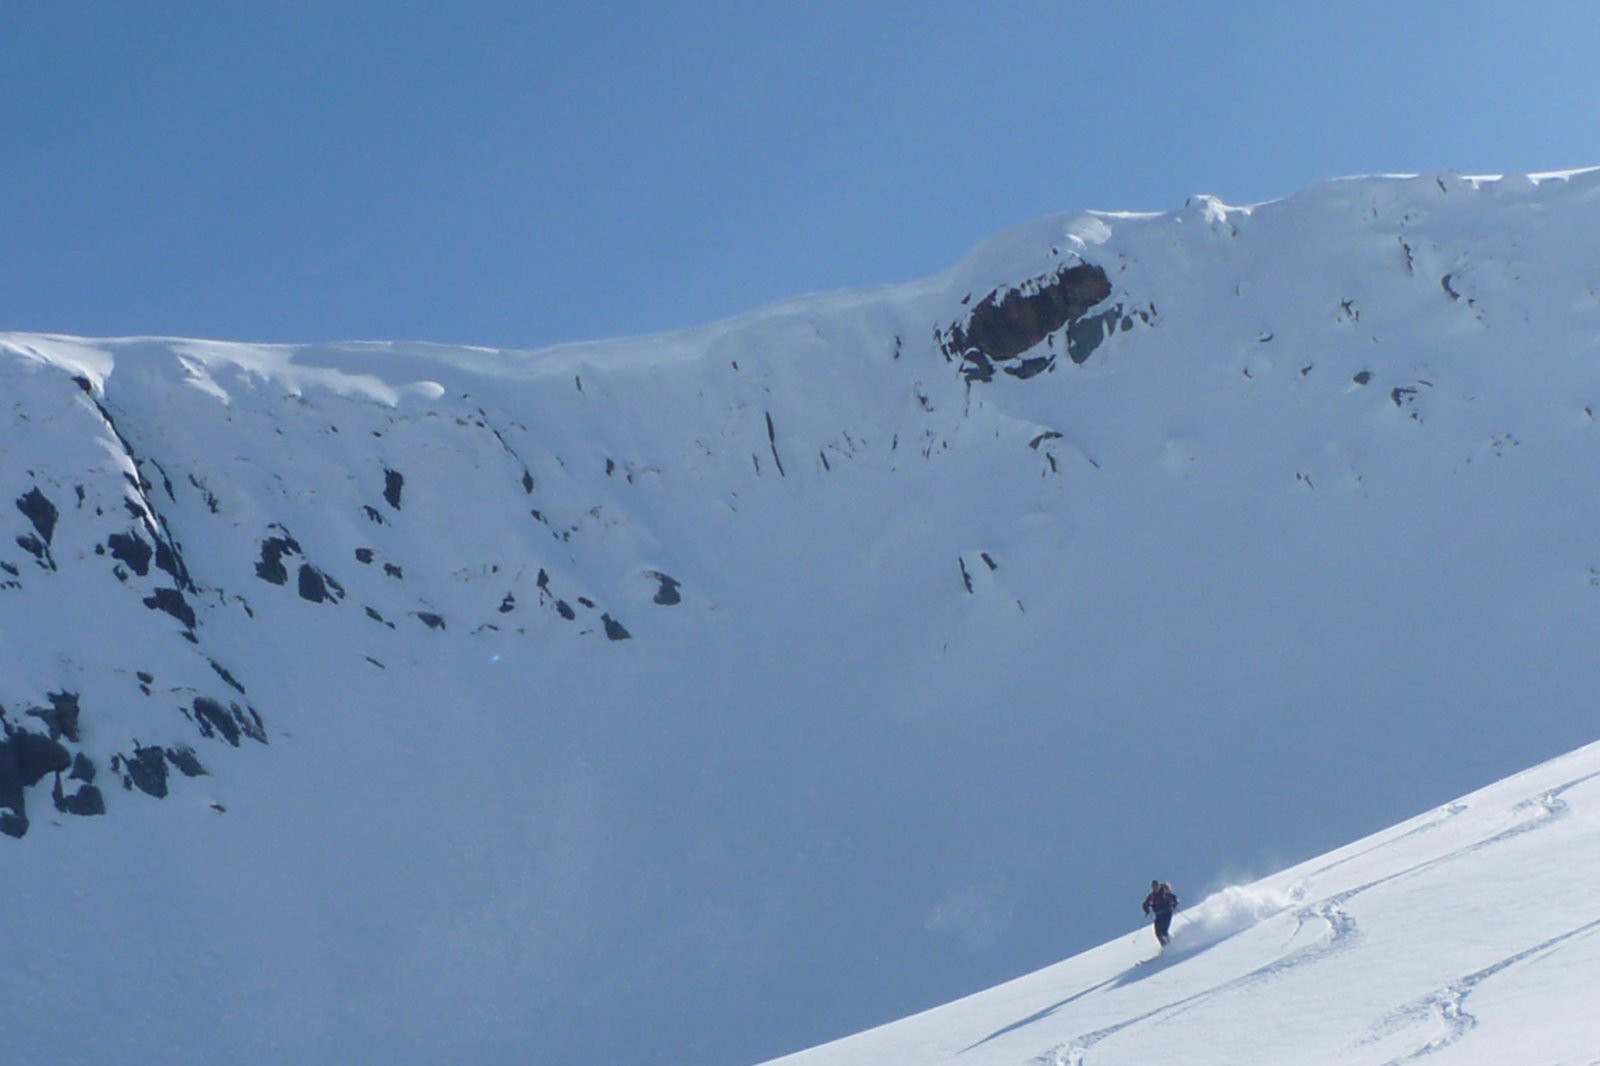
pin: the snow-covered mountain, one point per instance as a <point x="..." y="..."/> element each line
<point x="702" y="697"/>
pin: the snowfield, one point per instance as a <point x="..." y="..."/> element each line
<point x="705" y="697"/>
<point x="1465" y="933"/>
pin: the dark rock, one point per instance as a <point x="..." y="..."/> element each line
<point x="1363" y="377"/>
<point x="213" y="718"/>
<point x="25" y="759"/>
<point x="772" y="440"/>
<point x="364" y="555"/>
<point x="61" y="716"/>
<point x="147" y="770"/>
<point x="614" y="629"/>
<point x="318" y="587"/>
<point x="147" y="678"/>
<point x="168" y="560"/>
<point x="40" y="511"/>
<point x="87" y="802"/>
<point x="32" y="757"/>
<point x="393" y="571"/>
<point x="37" y="548"/>
<point x="667" y="590"/>
<point x="565" y="611"/>
<point x="1004" y="325"/>
<point x="373" y="514"/>
<point x="166" y="482"/>
<point x="212" y="503"/>
<point x="1048" y="434"/>
<point x="431" y="620"/>
<point x="82" y="768"/>
<point x="185" y="760"/>
<point x="251" y="723"/>
<point x="975" y="366"/>
<point x="312" y="585"/>
<point x="131" y="549"/>
<point x="1031" y="367"/>
<point x="527" y="483"/>
<point x="508" y="604"/>
<point x="227" y="678"/>
<point x="172" y="602"/>
<point x="1086" y="334"/>
<point x="393" y="483"/>
<point x="270" y="568"/>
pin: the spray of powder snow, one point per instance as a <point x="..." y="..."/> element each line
<point x="1222" y="914"/>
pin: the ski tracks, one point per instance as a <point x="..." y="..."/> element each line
<point x="1550" y="805"/>
<point x="1448" y="1004"/>
<point x="1441" y="816"/>
<point x="1342" y="933"/>
<point x="1066" y="1055"/>
<point x="1550" y="808"/>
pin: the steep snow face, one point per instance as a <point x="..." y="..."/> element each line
<point x="702" y="697"/>
<point x="1463" y="935"/>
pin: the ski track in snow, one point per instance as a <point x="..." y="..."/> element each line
<point x="1448" y="1005"/>
<point x="1441" y="818"/>
<point x="1343" y="933"/>
<point x="1549" y="805"/>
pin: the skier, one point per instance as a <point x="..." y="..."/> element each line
<point x="1161" y="902"/>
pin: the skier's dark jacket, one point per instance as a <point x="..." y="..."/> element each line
<point x="1161" y="901"/>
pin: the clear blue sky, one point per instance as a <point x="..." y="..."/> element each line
<point x="524" y="173"/>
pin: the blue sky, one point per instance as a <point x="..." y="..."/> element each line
<point x="518" y="174"/>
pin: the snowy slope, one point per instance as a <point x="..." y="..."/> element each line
<point x="1468" y="934"/>
<point x="707" y="696"/>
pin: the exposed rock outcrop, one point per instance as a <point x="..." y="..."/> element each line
<point x="1008" y="323"/>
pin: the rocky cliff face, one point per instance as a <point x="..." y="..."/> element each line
<point x="91" y="541"/>
<point x="150" y="640"/>
<point x="1005" y="326"/>
<point x="116" y="491"/>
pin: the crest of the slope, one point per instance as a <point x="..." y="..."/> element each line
<point x="389" y="372"/>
